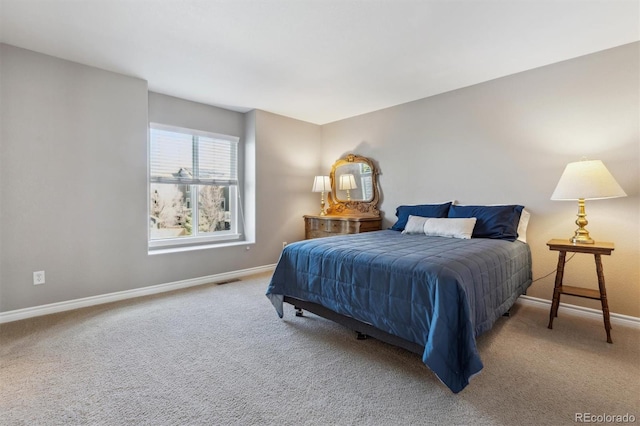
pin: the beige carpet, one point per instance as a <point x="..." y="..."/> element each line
<point x="219" y="355"/>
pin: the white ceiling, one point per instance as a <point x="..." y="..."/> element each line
<point x="317" y="60"/>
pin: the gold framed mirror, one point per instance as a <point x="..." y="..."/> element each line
<point x="354" y="187"/>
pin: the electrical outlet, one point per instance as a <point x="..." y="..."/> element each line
<point x="38" y="277"/>
<point x="284" y="244"/>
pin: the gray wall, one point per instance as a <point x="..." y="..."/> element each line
<point x="73" y="170"/>
<point x="508" y="141"/>
<point x="287" y="157"/>
<point x="73" y="201"/>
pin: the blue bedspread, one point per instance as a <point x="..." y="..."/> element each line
<point x="440" y="293"/>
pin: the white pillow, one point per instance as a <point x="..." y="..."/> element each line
<point x="415" y="225"/>
<point x="440" y="227"/>
<point x="522" y="225"/>
<point x="450" y="227"/>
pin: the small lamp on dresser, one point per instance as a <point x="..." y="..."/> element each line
<point x="347" y="183"/>
<point x="586" y="180"/>
<point x="321" y="184"/>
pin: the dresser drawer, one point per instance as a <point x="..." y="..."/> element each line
<point x="326" y="226"/>
<point x="341" y="227"/>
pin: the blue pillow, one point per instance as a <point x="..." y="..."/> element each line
<point x="498" y="222"/>
<point x="423" y="210"/>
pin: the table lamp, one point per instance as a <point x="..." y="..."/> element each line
<point x="347" y="182"/>
<point x="321" y="184"/>
<point x="586" y="180"/>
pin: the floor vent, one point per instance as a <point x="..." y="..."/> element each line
<point x="232" y="280"/>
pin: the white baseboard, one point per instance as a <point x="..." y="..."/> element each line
<point x="616" y="319"/>
<point x="69" y="305"/>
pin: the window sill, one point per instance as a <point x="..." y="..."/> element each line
<point x="185" y="248"/>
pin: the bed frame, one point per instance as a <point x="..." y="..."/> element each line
<point x="363" y="329"/>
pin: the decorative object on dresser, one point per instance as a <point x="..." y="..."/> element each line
<point x="597" y="249"/>
<point x="321" y="184"/>
<point x="586" y="180"/>
<point x="347" y="183"/>
<point x="354" y="187"/>
<point x="352" y="193"/>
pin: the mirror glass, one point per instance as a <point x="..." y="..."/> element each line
<point x="354" y="182"/>
<point x="354" y="189"/>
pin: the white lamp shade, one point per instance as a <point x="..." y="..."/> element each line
<point x="347" y="181"/>
<point x="589" y="180"/>
<point x="321" y="184"/>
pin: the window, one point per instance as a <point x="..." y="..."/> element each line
<point x="193" y="187"/>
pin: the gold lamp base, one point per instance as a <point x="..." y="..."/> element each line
<point x="581" y="239"/>
<point x="581" y="235"/>
<point x="322" y="213"/>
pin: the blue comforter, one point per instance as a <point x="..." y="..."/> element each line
<point x="440" y="293"/>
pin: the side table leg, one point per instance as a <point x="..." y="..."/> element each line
<point x="556" y="289"/>
<point x="603" y="297"/>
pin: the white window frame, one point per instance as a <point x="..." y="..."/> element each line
<point x="232" y="236"/>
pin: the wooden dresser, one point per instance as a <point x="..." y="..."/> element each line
<point x="316" y="226"/>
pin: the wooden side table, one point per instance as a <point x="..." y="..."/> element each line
<point x="597" y="249"/>
<point x="316" y="226"/>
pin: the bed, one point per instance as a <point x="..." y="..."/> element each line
<point x="433" y="295"/>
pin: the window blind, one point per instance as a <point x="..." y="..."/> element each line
<point x="192" y="158"/>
